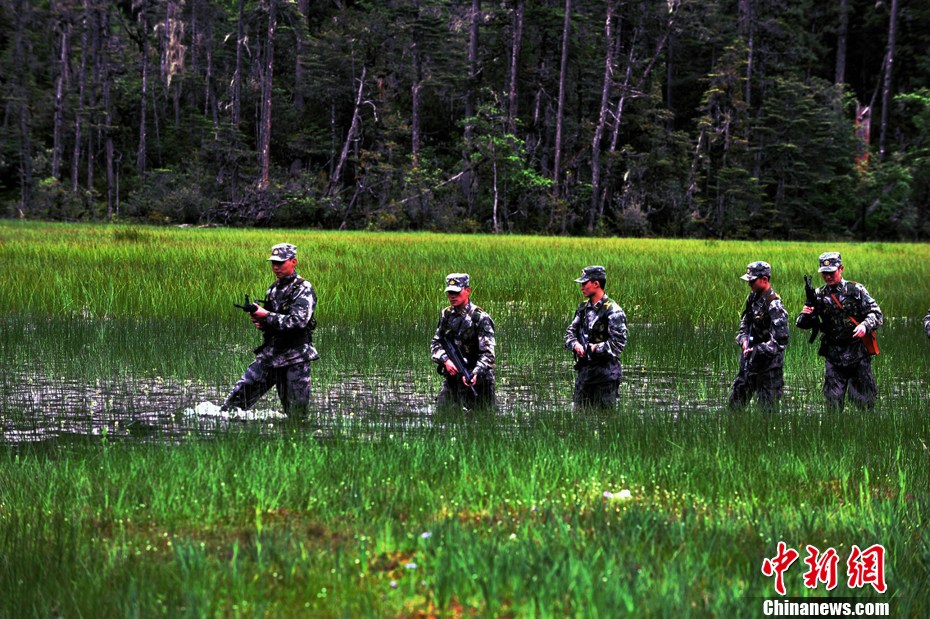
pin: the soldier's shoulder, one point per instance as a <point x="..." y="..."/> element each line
<point x="481" y="316"/>
<point x="859" y="287"/>
<point x="613" y="308"/>
<point x="776" y="304"/>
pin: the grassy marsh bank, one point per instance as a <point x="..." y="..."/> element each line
<point x="471" y="518"/>
<point x="113" y="504"/>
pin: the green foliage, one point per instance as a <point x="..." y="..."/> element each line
<point x="170" y="196"/>
<point x="728" y="128"/>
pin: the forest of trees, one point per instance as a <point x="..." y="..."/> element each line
<point x="704" y="118"/>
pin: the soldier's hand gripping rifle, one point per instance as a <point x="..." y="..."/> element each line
<point x="249" y="306"/>
<point x="583" y="338"/>
<point x="456" y="357"/>
<point x="810" y="300"/>
<point x="745" y="360"/>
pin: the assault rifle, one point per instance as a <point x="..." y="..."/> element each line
<point x="249" y="306"/>
<point x="456" y="357"/>
<point x="810" y="300"/>
<point x="744" y="359"/>
<point x="583" y="337"/>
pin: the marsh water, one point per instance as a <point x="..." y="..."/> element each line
<point x="77" y="378"/>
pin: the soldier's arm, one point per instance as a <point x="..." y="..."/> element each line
<point x="571" y="333"/>
<point x="873" y="313"/>
<point x="616" y="335"/>
<point x="778" y="334"/>
<point x="742" y="335"/>
<point x="437" y="352"/>
<point x="299" y="314"/>
<point x="486" y="344"/>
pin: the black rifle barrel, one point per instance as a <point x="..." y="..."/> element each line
<point x="457" y="361"/>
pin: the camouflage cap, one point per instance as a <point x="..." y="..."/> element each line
<point x="283" y="252"/>
<point x="592" y="272"/>
<point x="456" y="282"/>
<point x="830" y="261"/>
<point x="756" y="270"/>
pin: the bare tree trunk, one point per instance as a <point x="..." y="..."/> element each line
<point x="333" y="137"/>
<point x="173" y="52"/>
<point x="516" y="41"/>
<point x="210" y="105"/>
<point x="195" y="40"/>
<point x="472" y="65"/>
<point x="61" y="85"/>
<point x="470" y="180"/>
<point x="93" y="119"/>
<point x="22" y="95"/>
<point x="415" y="104"/>
<point x="107" y="112"/>
<point x="886" y="88"/>
<point x="303" y="7"/>
<point x="560" y="113"/>
<point x="746" y="31"/>
<point x="82" y="86"/>
<point x="624" y="91"/>
<point x="350" y="136"/>
<point x="615" y="130"/>
<point x="143" y="99"/>
<point x="841" y="34"/>
<point x="237" y="76"/>
<point x="670" y="75"/>
<point x="601" y="118"/>
<point x="265" y="145"/>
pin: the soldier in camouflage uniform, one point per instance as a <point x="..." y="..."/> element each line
<point x="846" y="313"/>
<point x="597" y="336"/>
<point x="286" y="322"/>
<point x="763" y="336"/>
<point x="470" y="330"/>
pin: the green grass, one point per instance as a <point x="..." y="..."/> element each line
<point x="126" y="508"/>
<point x="516" y="520"/>
<point x="196" y="274"/>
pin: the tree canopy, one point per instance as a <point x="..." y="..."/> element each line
<point x="707" y="118"/>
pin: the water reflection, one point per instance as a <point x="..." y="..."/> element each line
<point x="67" y="380"/>
<point x="39" y="407"/>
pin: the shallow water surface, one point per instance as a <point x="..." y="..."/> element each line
<point x="146" y="381"/>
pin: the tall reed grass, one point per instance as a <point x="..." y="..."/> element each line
<point x="114" y="504"/>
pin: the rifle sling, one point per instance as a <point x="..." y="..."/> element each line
<point x="840" y="305"/>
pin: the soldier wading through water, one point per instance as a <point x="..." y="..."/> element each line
<point x="597" y="336"/>
<point x="286" y="322"/>
<point x="848" y="317"/>
<point x="463" y="349"/>
<point x="763" y="337"/>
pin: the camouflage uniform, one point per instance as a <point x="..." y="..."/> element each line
<point x="471" y="330"/>
<point x="598" y="373"/>
<point x="763" y="329"/>
<point x="283" y="359"/>
<point x="848" y="366"/>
